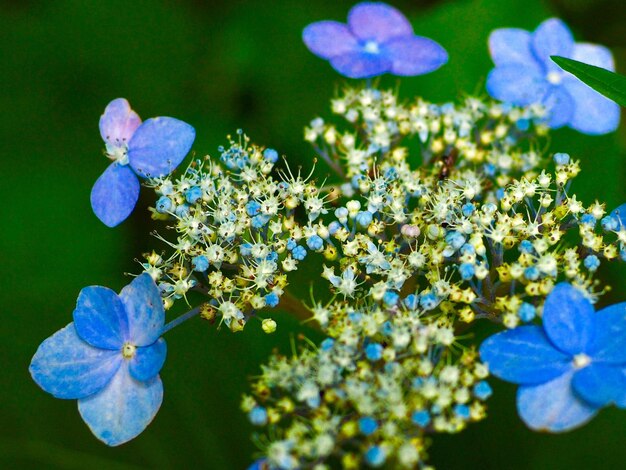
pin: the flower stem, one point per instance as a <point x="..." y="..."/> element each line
<point x="294" y="306"/>
<point x="178" y="320"/>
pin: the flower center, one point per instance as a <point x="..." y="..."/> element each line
<point x="581" y="360"/>
<point x="555" y="78"/>
<point x="128" y="350"/>
<point x="371" y="47"/>
<point x="118" y="153"/>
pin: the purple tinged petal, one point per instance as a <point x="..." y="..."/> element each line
<point x="568" y="319"/>
<point x="328" y="39"/>
<point x="517" y="84"/>
<point x="118" y="123"/>
<point x="594" y="114"/>
<point x="593" y="54"/>
<point x="552" y="406"/>
<point x="148" y="361"/>
<point x="552" y="37"/>
<point x="146" y="315"/>
<point x="524" y="355"/>
<point x="123" y="409"/>
<point x="159" y="145"/>
<point x="378" y="21"/>
<point x="115" y="194"/>
<point x="100" y="318"/>
<point x="511" y="46"/>
<point x="415" y="55"/>
<point x="361" y="64"/>
<point x="67" y="367"/>
<point x="560" y="106"/>
<point x="609" y="342"/>
<point x="600" y="384"/>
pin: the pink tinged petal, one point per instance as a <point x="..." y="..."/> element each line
<point x="123" y="409"/>
<point x="118" y="123"/>
<point x="552" y="37"/>
<point x="100" y="318"/>
<point x="560" y="106"/>
<point x="67" y="367"/>
<point x="594" y="114"/>
<point x="552" y="406"/>
<point x="517" y="84"/>
<point x="568" y="319"/>
<point x="524" y="355"/>
<point x="115" y="194"/>
<point x="361" y="65"/>
<point x="328" y="39"/>
<point x="378" y="22"/>
<point x="600" y="384"/>
<point x="159" y="145"/>
<point x="148" y="361"/>
<point x="511" y="46"/>
<point x="415" y="55"/>
<point x="609" y="343"/>
<point x="593" y="54"/>
<point x="146" y="315"/>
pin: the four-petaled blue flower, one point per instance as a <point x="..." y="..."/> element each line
<point x="378" y="39"/>
<point x="152" y="149"/>
<point x="109" y="358"/>
<point x="525" y="75"/>
<point x="570" y="367"/>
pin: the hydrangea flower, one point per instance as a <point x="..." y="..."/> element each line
<point x="378" y="39"/>
<point x="152" y="149"/>
<point x="568" y="368"/>
<point x="109" y="358"/>
<point x="525" y="75"/>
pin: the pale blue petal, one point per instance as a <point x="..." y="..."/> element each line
<point x="118" y="123"/>
<point x="593" y="54"/>
<point x="511" y="46"/>
<point x="552" y="37"/>
<point x="378" y="21"/>
<point x="67" y="367"/>
<point x="361" y="65"/>
<point x="553" y="407"/>
<point x="415" y="55"/>
<point x="620" y="213"/>
<point x="568" y="319"/>
<point x="100" y="318"/>
<point x="114" y="195"/>
<point x="148" y="360"/>
<point x="524" y="355"/>
<point x="594" y="114"/>
<point x="328" y="39"/>
<point x="560" y="106"/>
<point x="609" y="342"/>
<point x="159" y="145"/>
<point x="146" y="315"/>
<point x="600" y="384"/>
<point x="123" y="409"/>
<point x="517" y="84"/>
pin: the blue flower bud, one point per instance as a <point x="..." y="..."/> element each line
<point x="526" y="246"/>
<point x="468" y="209"/>
<point x="333" y="227"/>
<point x="591" y="262"/>
<point x="531" y="273"/>
<point x="258" y="416"/>
<point x="163" y="205"/>
<point x="193" y="194"/>
<point x="327" y="344"/>
<point x="245" y="249"/>
<point x="610" y="223"/>
<point x="455" y="239"/>
<point x="200" y="263"/>
<point x="259" y="221"/>
<point x="429" y="301"/>
<point x="270" y="155"/>
<point x="355" y="317"/>
<point x="367" y="425"/>
<point x="489" y="169"/>
<point x="315" y="243"/>
<point x="387" y="328"/>
<point x="390" y="298"/>
<point x="364" y="218"/>
<point x="462" y="411"/>
<point x="253" y="208"/>
<point x="299" y="253"/>
<point x="291" y="244"/>
<point x="421" y="418"/>
<point x="374" y="351"/>
<point x="468" y="249"/>
<point x="375" y="456"/>
<point x="526" y="312"/>
<point x="482" y="390"/>
<point x="561" y="158"/>
<point x="271" y="300"/>
<point x="182" y="211"/>
<point x="522" y="124"/>
<point x="411" y="301"/>
<point x="342" y="214"/>
<point x="588" y="219"/>
<point x="467" y="271"/>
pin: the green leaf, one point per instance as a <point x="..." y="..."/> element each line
<point x="610" y="84"/>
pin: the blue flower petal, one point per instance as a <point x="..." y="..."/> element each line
<point x="600" y="384"/>
<point x="568" y="319"/>
<point x="593" y="54"/>
<point x="361" y="64"/>
<point x="378" y="22"/>
<point x="415" y="55"/>
<point x="594" y="114"/>
<point x="260" y="464"/>
<point x="159" y="145"/>
<point x="67" y="367"/>
<point x="517" y="84"/>
<point x="148" y="360"/>
<point x="552" y="406"/>
<point x="114" y="195"/>
<point x="552" y="37"/>
<point x="620" y="213"/>
<point x="524" y="355"/>
<point x="511" y="46"/>
<point x="100" y="318"/>
<point x="118" y="123"/>
<point x="609" y="342"/>
<point x="144" y="307"/>
<point x="560" y="106"/>
<point x="328" y="39"/>
<point x="123" y="409"/>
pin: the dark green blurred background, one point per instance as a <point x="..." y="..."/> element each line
<point x="218" y="65"/>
